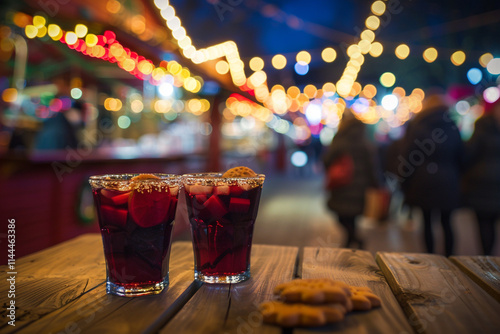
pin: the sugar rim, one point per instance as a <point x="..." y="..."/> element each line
<point x="214" y="179"/>
<point x="124" y="181"/>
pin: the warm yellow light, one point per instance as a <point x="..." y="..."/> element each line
<point x="42" y="31"/>
<point x="39" y="21"/>
<point x="303" y="56"/>
<point x="402" y="51"/>
<point x="364" y="46"/>
<point x="418" y="93"/>
<point x="185" y="42"/>
<point x="128" y="65"/>
<point x="9" y="95"/>
<point x="376" y="49"/>
<point x="458" y="58"/>
<point x="81" y="30"/>
<point x="162" y="106"/>
<point x="145" y="67"/>
<point x="356" y="89"/>
<point x="256" y="64"/>
<point x="328" y="55"/>
<point x="310" y="91"/>
<point x="190" y="84"/>
<point x="137" y="106"/>
<point x="353" y="50"/>
<point x="222" y="67"/>
<point x="70" y="38"/>
<point x="205" y="105"/>
<point x="293" y="92"/>
<point x="113" y="6"/>
<point x="485" y="59"/>
<point x="399" y="91"/>
<point x="430" y="55"/>
<point x="368" y="35"/>
<point x="258" y="78"/>
<point x="329" y="89"/>
<point x="91" y="40"/>
<point x="369" y="91"/>
<point x="194" y="105"/>
<point x="31" y="31"/>
<point x="378" y="8"/>
<point x="279" y="62"/>
<point x="372" y="22"/>
<point x="387" y="79"/>
<point x="53" y="30"/>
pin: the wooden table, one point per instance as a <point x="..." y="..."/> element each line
<point x="62" y="290"/>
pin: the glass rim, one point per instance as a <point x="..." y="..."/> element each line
<point x="125" y="179"/>
<point x="216" y="177"/>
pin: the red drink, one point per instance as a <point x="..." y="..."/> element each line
<point x="222" y="214"/>
<point x="136" y="220"/>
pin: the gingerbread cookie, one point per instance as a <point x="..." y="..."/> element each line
<point x="314" y="291"/>
<point x="363" y="298"/>
<point x="291" y="315"/>
<point x="144" y="177"/>
<point x="240" y="171"/>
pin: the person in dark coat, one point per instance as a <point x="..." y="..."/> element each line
<point x="429" y="167"/>
<point x="348" y="201"/>
<point x="61" y="130"/>
<point x="481" y="182"/>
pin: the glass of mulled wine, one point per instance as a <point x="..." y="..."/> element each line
<point x="136" y="214"/>
<point x="222" y="212"/>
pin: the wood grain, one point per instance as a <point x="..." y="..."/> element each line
<point x="233" y="308"/>
<point x="484" y="270"/>
<point x="81" y="257"/>
<point x="52" y="278"/>
<point x="436" y="296"/>
<point x="97" y="312"/>
<point x="357" y="268"/>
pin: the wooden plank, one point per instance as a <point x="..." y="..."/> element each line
<point x="37" y="297"/>
<point x="52" y="278"/>
<point x="81" y="257"/>
<point x="233" y="308"/>
<point x="98" y="312"/>
<point x="484" y="270"/>
<point x="436" y="296"/>
<point x="357" y="268"/>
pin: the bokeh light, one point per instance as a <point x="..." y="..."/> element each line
<point x="328" y="55"/>
<point x="474" y="75"/>
<point x="458" y="58"/>
<point x="387" y="79"/>
<point x="493" y="66"/>
<point x="376" y="49"/>
<point x="430" y="55"/>
<point x="485" y="59"/>
<point x="124" y="122"/>
<point x="378" y="8"/>
<point x="301" y="68"/>
<point x="304" y="57"/>
<point x="491" y="94"/>
<point x="279" y="62"/>
<point x="76" y="93"/>
<point x="390" y="102"/>
<point x="256" y="64"/>
<point x="402" y="51"/>
<point x="298" y="159"/>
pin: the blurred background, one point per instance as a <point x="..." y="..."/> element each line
<point x="109" y="86"/>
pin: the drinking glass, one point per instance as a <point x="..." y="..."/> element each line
<point x="136" y="216"/>
<point x="222" y="214"/>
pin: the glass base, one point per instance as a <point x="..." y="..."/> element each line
<point x="224" y="279"/>
<point x="135" y="290"/>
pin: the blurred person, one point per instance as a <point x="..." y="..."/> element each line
<point x="481" y="181"/>
<point x="429" y="168"/>
<point x="348" y="201"/>
<point x="62" y="130"/>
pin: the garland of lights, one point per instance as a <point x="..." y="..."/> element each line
<point x="106" y="47"/>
